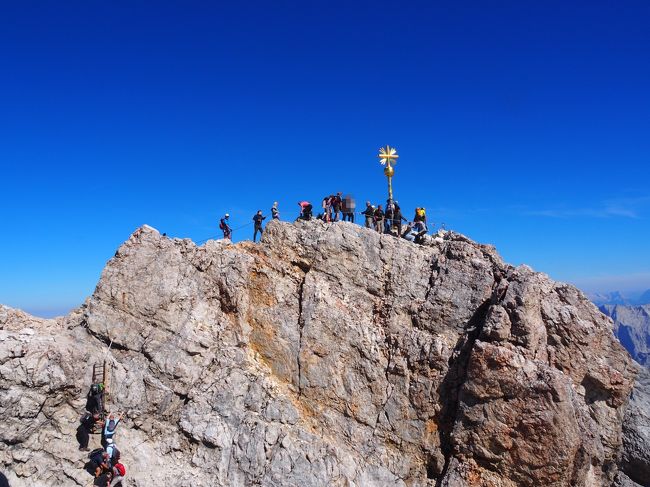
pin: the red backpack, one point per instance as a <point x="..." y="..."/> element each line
<point x="120" y="469"/>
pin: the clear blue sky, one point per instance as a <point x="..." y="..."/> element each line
<point x="522" y="124"/>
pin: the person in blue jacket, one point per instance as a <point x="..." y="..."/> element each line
<point x="109" y="427"/>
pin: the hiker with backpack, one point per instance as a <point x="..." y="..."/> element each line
<point x="86" y="426"/>
<point x="257" y="219"/>
<point x="100" y="462"/>
<point x="420" y="216"/>
<point x="118" y="472"/>
<point x="110" y="426"/>
<point x="398" y="218"/>
<point x="388" y="216"/>
<point x="225" y="227"/>
<point x="379" y="219"/>
<point x="337" y="203"/>
<point x="369" y="213"/>
<point x="275" y="214"/>
<point x="305" y="210"/>
<point x="95" y="399"/>
<point x="112" y="450"/>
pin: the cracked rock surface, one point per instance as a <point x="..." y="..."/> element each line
<point x="636" y="432"/>
<point x="327" y="355"/>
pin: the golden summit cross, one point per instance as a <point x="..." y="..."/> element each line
<point x="387" y="157"/>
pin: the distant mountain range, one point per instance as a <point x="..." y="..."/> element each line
<point x="617" y="297"/>
<point x="632" y="328"/>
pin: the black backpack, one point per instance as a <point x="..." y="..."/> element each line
<point x="96" y="455"/>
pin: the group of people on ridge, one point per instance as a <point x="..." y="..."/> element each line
<point x="390" y="221"/>
<point x="104" y="463"/>
<point x="336" y="207"/>
<point x="336" y="204"/>
<point x="258" y="218"/>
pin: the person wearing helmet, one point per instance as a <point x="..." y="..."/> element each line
<point x="112" y="452"/>
<point x="224" y="225"/>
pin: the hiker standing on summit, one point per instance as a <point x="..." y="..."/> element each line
<point x="224" y="225"/>
<point x="369" y="213"/>
<point x="275" y="213"/>
<point x="258" y="218"/>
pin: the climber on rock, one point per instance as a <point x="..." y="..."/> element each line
<point x="420" y="230"/>
<point x="100" y="462"/>
<point x="110" y="425"/>
<point x="305" y="210"/>
<point x="224" y="225"/>
<point x="112" y="452"/>
<point x="420" y="216"/>
<point x="275" y="213"/>
<point x="415" y="232"/>
<point x="118" y="472"/>
<point x="95" y="399"/>
<point x="86" y="426"/>
<point x="257" y="219"/>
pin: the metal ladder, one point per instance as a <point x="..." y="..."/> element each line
<point x="101" y="375"/>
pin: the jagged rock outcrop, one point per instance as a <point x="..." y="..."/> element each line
<point x="326" y="355"/>
<point x="632" y="328"/>
<point x="636" y="432"/>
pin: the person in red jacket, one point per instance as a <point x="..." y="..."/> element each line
<point x="118" y="472"/>
<point x="305" y="210"/>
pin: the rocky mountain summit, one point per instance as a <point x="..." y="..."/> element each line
<point x="327" y="355"/>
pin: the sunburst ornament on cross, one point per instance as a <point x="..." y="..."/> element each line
<point x="388" y="157"/>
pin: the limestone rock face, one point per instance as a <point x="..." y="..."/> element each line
<point x="327" y="355"/>
<point x="632" y="328"/>
<point x="636" y="432"/>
